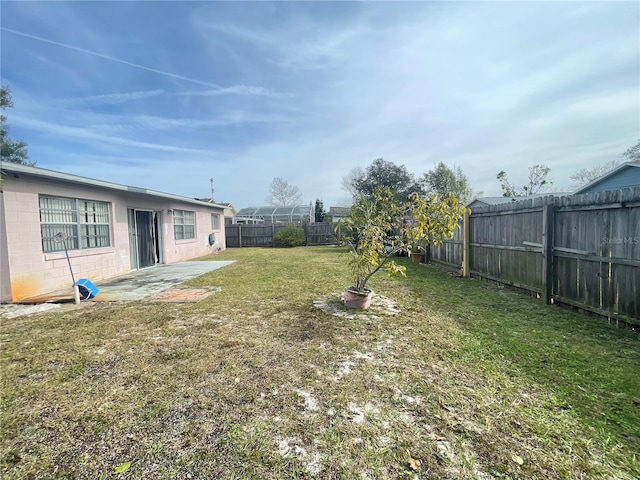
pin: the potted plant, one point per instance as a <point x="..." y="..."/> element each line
<point x="380" y="226"/>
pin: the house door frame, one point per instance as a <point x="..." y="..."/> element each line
<point x="145" y="238"/>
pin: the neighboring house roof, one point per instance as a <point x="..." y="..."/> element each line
<point x="229" y="209"/>
<point x="626" y="175"/>
<point x="339" y="211"/>
<point x="18" y="169"/>
<point x="483" y="201"/>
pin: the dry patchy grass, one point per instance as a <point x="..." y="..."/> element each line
<point x="467" y="381"/>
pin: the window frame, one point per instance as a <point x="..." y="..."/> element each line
<point x="86" y="223"/>
<point x="215" y="221"/>
<point x="181" y="230"/>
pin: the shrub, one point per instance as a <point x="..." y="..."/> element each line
<point x="290" y="236"/>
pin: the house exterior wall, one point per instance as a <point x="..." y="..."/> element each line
<point x="5" y="279"/>
<point x="30" y="272"/>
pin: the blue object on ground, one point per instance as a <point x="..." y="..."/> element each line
<point x="87" y="288"/>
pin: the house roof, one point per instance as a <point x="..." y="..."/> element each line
<point x="18" y="169"/>
<point x="339" y="211"/>
<point x="601" y="179"/>
<point x="501" y="200"/>
<point x="226" y="205"/>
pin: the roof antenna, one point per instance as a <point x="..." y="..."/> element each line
<point x="211" y="179"/>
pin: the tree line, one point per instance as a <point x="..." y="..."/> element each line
<point x="441" y="180"/>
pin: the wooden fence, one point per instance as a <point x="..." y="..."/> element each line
<point x="262" y="235"/>
<point x="580" y="250"/>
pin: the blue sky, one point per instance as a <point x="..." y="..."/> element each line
<point x="167" y="95"/>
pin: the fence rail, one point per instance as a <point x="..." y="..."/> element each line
<point x="238" y="235"/>
<point x="581" y="250"/>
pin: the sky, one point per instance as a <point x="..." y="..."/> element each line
<point x="168" y="95"/>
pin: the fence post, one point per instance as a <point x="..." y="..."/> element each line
<point x="547" y="252"/>
<point x="239" y="235"/>
<point x="465" y="245"/>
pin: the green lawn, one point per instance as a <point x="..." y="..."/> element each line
<point x="469" y="380"/>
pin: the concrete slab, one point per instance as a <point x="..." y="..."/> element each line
<point x="139" y="284"/>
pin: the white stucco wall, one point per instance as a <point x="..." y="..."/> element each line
<point x="32" y="272"/>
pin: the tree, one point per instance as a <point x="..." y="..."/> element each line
<point x="632" y="154"/>
<point x="387" y="175"/>
<point x="282" y="194"/>
<point x="14" y="151"/>
<point x="586" y="175"/>
<point x="351" y="181"/>
<point x="536" y="182"/>
<point x="446" y="182"/>
<point x="369" y="230"/>
<point x="319" y="211"/>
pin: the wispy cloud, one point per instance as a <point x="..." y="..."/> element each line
<point x="236" y="90"/>
<point x="112" y="59"/>
<point x="113" y="98"/>
<point x="83" y="134"/>
<point x="307" y="90"/>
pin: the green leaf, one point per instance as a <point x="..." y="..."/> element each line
<point x="122" y="468"/>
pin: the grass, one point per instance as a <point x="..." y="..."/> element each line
<point x="469" y="381"/>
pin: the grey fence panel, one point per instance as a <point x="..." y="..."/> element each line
<point x="262" y="235"/>
<point x="593" y="244"/>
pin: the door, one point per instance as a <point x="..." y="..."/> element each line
<point x="144" y="238"/>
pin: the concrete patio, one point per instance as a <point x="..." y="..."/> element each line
<point x="136" y="285"/>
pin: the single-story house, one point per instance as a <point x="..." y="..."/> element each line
<point x="338" y="213"/>
<point x="108" y="229"/>
<point x="229" y="209"/>
<point x="626" y="175"/>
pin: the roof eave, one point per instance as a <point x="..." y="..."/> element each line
<point x="77" y="179"/>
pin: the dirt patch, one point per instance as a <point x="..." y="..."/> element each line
<point x="184" y="295"/>
<point x="333" y="304"/>
<point x="12" y="310"/>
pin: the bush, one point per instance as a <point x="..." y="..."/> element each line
<point x="290" y="236"/>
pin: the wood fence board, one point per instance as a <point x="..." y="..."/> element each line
<point x="595" y="249"/>
<point x="262" y="235"/>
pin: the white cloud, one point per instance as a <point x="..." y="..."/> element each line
<point x="306" y="91"/>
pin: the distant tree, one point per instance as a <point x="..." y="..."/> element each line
<point x="319" y="211"/>
<point x="632" y="154"/>
<point x="282" y="194"/>
<point x="387" y="175"/>
<point x="586" y="175"/>
<point x="351" y="181"/>
<point x="14" y="151"/>
<point x="447" y="182"/>
<point x="536" y="182"/>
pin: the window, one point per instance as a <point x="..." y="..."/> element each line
<point x="215" y="221"/>
<point x="84" y="223"/>
<point x="184" y="224"/>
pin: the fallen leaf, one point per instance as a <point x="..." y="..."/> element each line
<point x="414" y="463"/>
<point x="518" y="459"/>
<point x="122" y="468"/>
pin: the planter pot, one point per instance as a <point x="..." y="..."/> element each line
<point x="355" y="299"/>
<point x="417" y="257"/>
